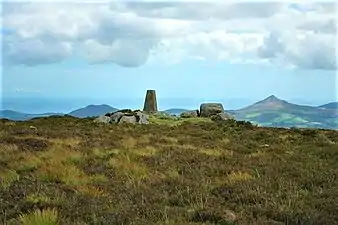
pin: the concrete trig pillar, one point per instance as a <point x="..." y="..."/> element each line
<point x="150" y="102"/>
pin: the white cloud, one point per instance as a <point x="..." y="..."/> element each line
<point x="134" y="33"/>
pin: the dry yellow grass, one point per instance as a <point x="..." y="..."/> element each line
<point x="90" y="190"/>
<point x="239" y="176"/>
<point x="216" y="152"/>
<point x="29" y="162"/>
<point x="60" y="154"/>
<point x="171" y="140"/>
<point x="128" y="166"/>
<point x="257" y="154"/>
<point x="128" y="142"/>
<point x="146" y="151"/>
<point x="172" y="173"/>
<point x="73" y="142"/>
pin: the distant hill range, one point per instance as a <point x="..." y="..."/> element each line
<point x="13" y="115"/>
<point x="92" y="111"/>
<point x="175" y="111"/>
<point x="271" y="111"/>
<point x="332" y="105"/>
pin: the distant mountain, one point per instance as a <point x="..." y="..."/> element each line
<point x="92" y="111"/>
<point x="13" y="115"/>
<point x="273" y="111"/>
<point x="332" y="105"/>
<point x="175" y="111"/>
<point x="88" y="111"/>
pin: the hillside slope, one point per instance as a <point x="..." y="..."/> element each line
<point x="273" y="111"/>
<point x="13" y="115"/>
<point x="191" y="173"/>
<point x="331" y="105"/>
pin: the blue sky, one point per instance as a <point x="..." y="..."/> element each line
<point x="113" y="52"/>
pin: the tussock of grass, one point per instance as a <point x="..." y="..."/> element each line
<point x="172" y="173"/>
<point x="186" y="147"/>
<point x="59" y="154"/>
<point x="71" y="175"/>
<point x="171" y="140"/>
<point x="38" y="198"/>
<point x="126" y="165"/>
<point x="89" y="190"/>
<point x="144" y="139"/>
<point x="104" y="153"/>
<point x="257" y="154"/>
<point x="7" y="177"/>
<point x="147" y="151"/>
<point x="29" y="162"/>
<point x="73" y="142"/>
<point x="40" y="217"/>
<point x="8" y="152"/>
<point x="98" y="179"/>
<point x="239" y="176"/>
<point x="216" y="152"/>
<point x="128" y="142"/>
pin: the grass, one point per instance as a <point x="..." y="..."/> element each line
<point x="172" y="171"/>
<point x="7" y="177"/>
<point x="40" y="217"/>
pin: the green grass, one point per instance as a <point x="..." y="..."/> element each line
<point x="252" y="115"/>
<point x="172" y="121"/>
<point x="40" y="217"/>
<point x="172" y="171"/>
<point x="7" y="177"/>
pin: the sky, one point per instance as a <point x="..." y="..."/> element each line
<point x="77" y="53"/>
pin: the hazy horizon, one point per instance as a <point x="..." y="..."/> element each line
<point x="66" y="105"/>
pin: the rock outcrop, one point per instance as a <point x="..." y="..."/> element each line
<point x="124" y="116"/>
<point x="211" y="109"/>
<point x="221" y="116"/>
<point x="102" y="119"/>
<point x="190" y="114"/>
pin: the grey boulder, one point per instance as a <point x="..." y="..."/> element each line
<point x="127" y="119"/>
<point x="142" y="118"/>
<point x="115" y="117"/>
<point x="124" y="116"/>
<point x="102" y="119"/>
<point x="221" y="116"/>
<point x="189" y="114"/>
<point x="210" y="109"/>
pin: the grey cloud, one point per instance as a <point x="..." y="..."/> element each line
<point x="31" y="52"/>
<point x="272" y="46"/>
<point x="307" y="53"/>
<point x="112" y="28"/>
<point x="126" y="52"/>
<point x="327" y="26"/>
<point x="204" y="10"/>
<point x="327" y="7"/>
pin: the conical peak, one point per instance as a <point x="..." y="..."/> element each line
<point x="272" y="98"/>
